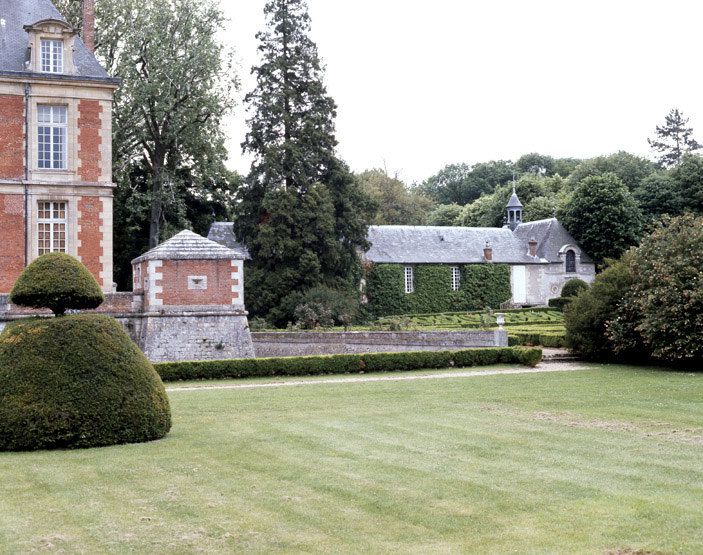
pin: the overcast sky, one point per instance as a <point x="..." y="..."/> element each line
<point x="423" y="84"/>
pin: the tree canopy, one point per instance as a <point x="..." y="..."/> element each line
<point x="603" y="216"/>
<point x="394" y="202"/>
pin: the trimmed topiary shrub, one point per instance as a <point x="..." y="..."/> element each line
<point x="76" y="381"/>
<point x="57" y="281"/>
<point x="572" y="287"/>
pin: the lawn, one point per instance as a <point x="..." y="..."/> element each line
<point x="606" y="460"/>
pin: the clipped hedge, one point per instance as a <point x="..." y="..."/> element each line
<point x="545" y="339"/>
<point x="76" y="381"/>
<point x="343" y="364"/>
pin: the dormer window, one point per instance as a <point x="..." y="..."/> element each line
<point x="52" y="56"/>
<point x="50" y="47"/>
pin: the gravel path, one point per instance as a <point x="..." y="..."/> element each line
<point x="541" y="367"/>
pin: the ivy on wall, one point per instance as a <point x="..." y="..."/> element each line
<point x="482" y="285"/>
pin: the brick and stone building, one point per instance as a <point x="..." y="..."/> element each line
<point x="193" y="300"/>
<point x="55" y="142"/>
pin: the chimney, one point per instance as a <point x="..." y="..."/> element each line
<point x="488" y="252"/>
<point x="533" y="247"/>
<point x="89" y="24"/>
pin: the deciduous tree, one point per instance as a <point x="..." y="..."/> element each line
<point x="177" y="85"/>
<point x="603" y="216"/>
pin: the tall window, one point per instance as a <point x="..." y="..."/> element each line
<point x="51" y="227"/>
<point x="570" y="261"/>
<point x="409" y="287"/>
<point x="52" y="56"/>
<point x="456" y="278"/>
<point x="51" y="136"/>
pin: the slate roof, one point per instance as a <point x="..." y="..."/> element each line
<point x="223" y="233"/>
<point x="14" y="15"/>
<point x="444" y="245"/>
<point x="187" y="245"/>
<point x="550" y="236"/>
<point x="404" y="244"/>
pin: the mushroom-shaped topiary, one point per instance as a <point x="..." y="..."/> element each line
<point x="76" y="381"/>
<point x="573" y="287"/>
<point x="57" y="281"/>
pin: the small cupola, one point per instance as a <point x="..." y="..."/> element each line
<point x="514" y="210"/>
<point x="50" y="48"/>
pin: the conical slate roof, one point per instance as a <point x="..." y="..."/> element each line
<point x="514" y="202"/>
<point x="187" y="245"/>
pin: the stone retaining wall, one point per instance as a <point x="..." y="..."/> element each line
<point x="168" y="335"/>
<point x="282" y="344"/>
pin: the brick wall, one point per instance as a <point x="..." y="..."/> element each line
<point x="89" y="141"/>
<point x="90" y="236"/>
<point x="11" y="240"/>
<point x="197" y="282"/>
<point x="11" y="137"/>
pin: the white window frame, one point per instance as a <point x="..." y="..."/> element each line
<point x="52" y="226"/>
<point x="51" y="56"/>
<point x="456" y="278"/>
<point x="52" y="137"/>
<point x="409" y="284"/>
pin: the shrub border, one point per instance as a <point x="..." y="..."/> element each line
<point x="343" y="364"/>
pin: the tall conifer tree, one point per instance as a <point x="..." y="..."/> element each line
<point x="673" y="140"/>
<point x="301" y="213"/>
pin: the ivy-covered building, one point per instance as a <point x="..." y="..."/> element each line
<point x="419" y="269"/>
<point x="422" y="269"/>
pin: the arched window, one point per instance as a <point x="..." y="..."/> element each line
<point x="570" y="261"/>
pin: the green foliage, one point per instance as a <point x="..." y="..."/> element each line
<point x="673" y="140"/>
<point x="177" y="86"/>
<point x="658" y="194"/>
<point x="343" y="364"/>
<point x="461" y="184"/>
<point x="665" y="303"/>
<point x="301" y="213"/>
<point x="443" y="215"/>
<point x="481" y="285"/>
<point x="630" y="169"/>
<point x="309" y="316"/>
<point x="76" y="381"/>
<point x="586" y="318"/>
<point x="573" y="287"/>
<point x="688" y="175"/>
<point x="603" y="217"/>
<point x="59" y="282"/>
<point x="535" y="163"/>
<point x="559" y="302"/>
<point x="394" y="203"/>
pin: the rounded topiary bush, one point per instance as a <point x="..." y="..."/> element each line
<point x="57" y="281"/>
<point x="573" y="287"/>
<point x="76" y="381"/>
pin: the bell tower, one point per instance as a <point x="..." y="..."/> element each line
<point x="514" y="211"/>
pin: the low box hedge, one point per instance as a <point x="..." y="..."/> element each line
<point x="343" y="364"/>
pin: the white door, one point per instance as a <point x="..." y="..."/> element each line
<point x="519" y="283"/>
